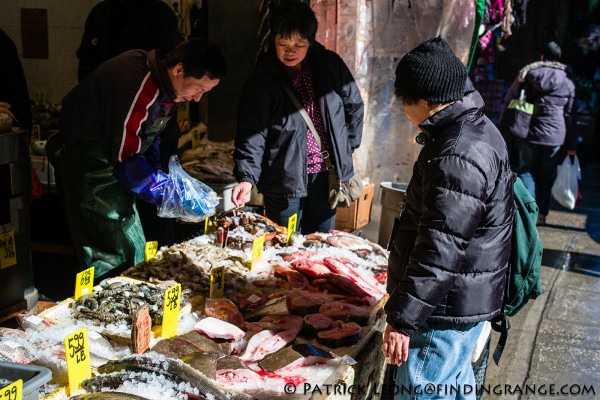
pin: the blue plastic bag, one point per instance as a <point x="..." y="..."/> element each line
<point x="186" y="198"/>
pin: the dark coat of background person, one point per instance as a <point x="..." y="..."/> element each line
<point x="113" y="27"/>
<point x="13" y="85"/>
<point x="282" y="165"/>
<point x="467" y="254"/>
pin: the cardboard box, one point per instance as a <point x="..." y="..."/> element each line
<point x="359" y="213"/>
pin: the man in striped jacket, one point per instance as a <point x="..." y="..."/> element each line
<point x="108" y="143"/>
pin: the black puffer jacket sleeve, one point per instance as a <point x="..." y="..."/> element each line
<point x="443" y="235"/>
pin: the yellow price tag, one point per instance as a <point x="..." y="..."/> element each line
<point x="78" y="359"/>
<point x="257" y="249"/>
<point x="150" y="251"/>
<point x="217" y="282"/>
<point x="210" y="225"/>
<point x="35" y="133"/>
<point x="8" y="249"/>
<point x="291" y="228"/>
<point x="84" y="282"/>
<point x="171" y="311"/>
<point x="14" y="391"/>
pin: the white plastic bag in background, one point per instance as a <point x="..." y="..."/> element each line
<point x="566" y="184"/>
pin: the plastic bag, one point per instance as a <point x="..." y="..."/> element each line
<point x="565" y="189"/>
<point x="186" y="198"/>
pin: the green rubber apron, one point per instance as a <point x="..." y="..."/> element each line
<point x="105" y="225"/>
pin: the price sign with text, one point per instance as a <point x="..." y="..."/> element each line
<point x="14" y="391"/>
<point x="291" y="228"/>
<point x="217" y="282"/>
<point x="141" y="329"/>
<point x="171" y="311"/>
<point x="150" y="251"/>
<point x="8" y="249"/>
<point x="78" y="358"/>
<point x="84" y="282"/>
<point x="257" y="249"/>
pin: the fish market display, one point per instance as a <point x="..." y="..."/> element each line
<point x="298" y="314"/>
<point x="190" y="264"/>
<point x="152" y="366"/>
<point x="117" y="302"/>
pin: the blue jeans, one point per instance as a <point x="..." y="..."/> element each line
<point x="314" y="213"/>
<point x="536" y="165"/>
<point x="439" y="363"/>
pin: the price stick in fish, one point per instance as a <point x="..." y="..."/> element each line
<point x="77" y="353"/>
<point x="257" y="249"/>
<point x="141" y="329"/>
<point x="150" y="250"/>
<point x="84" y="282"/>
<point x="171" y="311"/>
<point x="217" y="282"/>
<point x="14" y="391"/>
<point x="8" y="249"/>
<point x="291" y="228"/>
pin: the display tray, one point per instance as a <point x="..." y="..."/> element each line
<point x="33" y="377"/>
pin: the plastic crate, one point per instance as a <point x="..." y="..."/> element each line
<point x="33" y="377"/>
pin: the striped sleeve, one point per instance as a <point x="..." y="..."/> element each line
<point x="138" y="113"/>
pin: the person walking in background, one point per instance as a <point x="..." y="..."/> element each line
<point x="450" y="247"/>
<point x="534" y="158"/>
<point x="113" y="27"/>
<point x="274" y="148"/>
<point x="106" y="152"/>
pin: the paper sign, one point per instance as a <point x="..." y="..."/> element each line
<point x="141" y="329"/>
<point x="171" y="311"/>
<point x="84" y="282"/>
<point x="78" y="359"/>
<point x="150" y="251"/>
<point x="14" y="391"/>
<point x="8" y="249"/>
<point x="257" y="249"/>
<point x="217" y="282"/>
<point x="291" y="228"/>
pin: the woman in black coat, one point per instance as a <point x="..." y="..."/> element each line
<point x="274" y="148"/>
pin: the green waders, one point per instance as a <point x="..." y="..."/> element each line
<point x="105" y="226"/>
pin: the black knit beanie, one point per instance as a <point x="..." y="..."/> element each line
<point x="431" y="72"/>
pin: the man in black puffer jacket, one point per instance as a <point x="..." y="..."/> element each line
<point x="450" y="247"/>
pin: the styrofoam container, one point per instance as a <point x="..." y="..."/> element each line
<point x="224" y="190"/>
<point x="33" y="377"/>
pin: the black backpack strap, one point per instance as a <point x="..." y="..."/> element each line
<point x="500" y="324"/>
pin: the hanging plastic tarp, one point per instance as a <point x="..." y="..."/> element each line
<point x="371" y="37"/>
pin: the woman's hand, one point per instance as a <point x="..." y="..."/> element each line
<point x="240" y="192"/>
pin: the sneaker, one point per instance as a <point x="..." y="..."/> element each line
<point x="541" y="220"/>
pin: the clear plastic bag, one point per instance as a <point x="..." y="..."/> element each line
<point x="565" y="189"/>
<point x="186" y="198"/>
